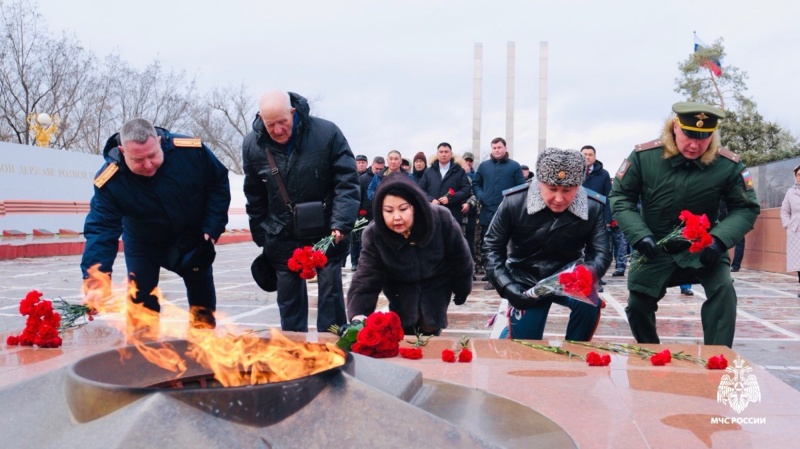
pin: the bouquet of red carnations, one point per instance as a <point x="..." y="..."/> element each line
<point x="44" y="323"/>
<point x="693" y="230"/>
<point x="378" y="336"/>
<point x="308" y="259"/>
<point x="575" y="281"/>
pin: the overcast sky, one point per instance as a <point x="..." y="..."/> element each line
<point x="399" y="74"/>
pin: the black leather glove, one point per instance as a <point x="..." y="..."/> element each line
<point x="459" y="299"/>
<point x="343" y="327"/>
<point x="677" y="246"/>
<point x="647" y="247"/>
<point x="515" y="294"/>
<point x="711" y="254"/>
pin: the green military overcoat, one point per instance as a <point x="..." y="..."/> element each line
<point x="667" y="184"/>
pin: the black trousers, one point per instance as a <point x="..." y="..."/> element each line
<point x="144" y="262"/>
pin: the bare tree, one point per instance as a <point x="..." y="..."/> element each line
<point x="222" y="118"/>
<point x="39" y="74"/>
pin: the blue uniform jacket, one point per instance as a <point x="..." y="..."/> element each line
<point x="189" y="190"/>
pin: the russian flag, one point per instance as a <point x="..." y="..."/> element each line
<point x="715" y="65"/>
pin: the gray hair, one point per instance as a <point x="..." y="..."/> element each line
<point x="137" y="130"/>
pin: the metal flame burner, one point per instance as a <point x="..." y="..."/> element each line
<point x="105" y="382"/>
<point x="117" y="399"/>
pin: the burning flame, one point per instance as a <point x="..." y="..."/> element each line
<point x="235" y="360"/>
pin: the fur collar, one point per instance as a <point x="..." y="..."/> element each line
<point x="579" y="206"/>
<point x="670" y="149"/>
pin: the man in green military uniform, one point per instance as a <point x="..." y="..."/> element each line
<point x="687" y="169"/>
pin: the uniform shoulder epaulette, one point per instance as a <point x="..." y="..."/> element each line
<point x="515" y="189"/>
<point x="728" y="154"/>
<point x="187" y="142"/>
<point x="596" y="196"/>
<point x="649" y="145"/>
<point x="105" y="175"/>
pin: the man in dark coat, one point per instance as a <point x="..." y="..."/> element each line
<point x="415" y="253"/>
<point x="315" y="164"/>
<point x="686" y="169"/>
<point x="537" y="231"/>
<point x="598" y="181"/>
<point x="168" y="196"/>
<point x="494" y="175"/>
<point x="446" y="183"/>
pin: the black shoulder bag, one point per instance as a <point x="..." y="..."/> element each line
<point x="308" y="219"/>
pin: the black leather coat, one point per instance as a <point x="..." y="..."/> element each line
<point x="524" y="248"/>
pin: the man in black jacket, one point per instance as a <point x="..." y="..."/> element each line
<point x="598" y="181"/>
<point x="314" y="162"/>
<point x="446" y="183"/>
<point x="538" y="230"/>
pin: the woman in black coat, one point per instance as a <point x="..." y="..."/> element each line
<point x="414" y="252"/>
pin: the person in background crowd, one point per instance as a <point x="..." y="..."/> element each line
<point x="446" y="183"/>
<point x="526" y="172"/>
<point x="619" y="247"/>
<point x="538" y="230"/>
<point x="406" y="165"/>
<point x="415" y="253"/>
<point x="597" y="182"/>
<point x="361" y="164"/>
<point x="394" y="161"/>
<point x="790" y="219"/>
<point x="315" y="164"/>
<point x="686" y="169"/>
<point x="494" y="175"/>
<point x="471" y="217"/>
<point x="365" y="209"/>
<point x="419" y="167"/>
<point x="167" y="196"/>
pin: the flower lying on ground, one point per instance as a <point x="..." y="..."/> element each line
<point x="415" y="353"/>
<point x="717" y="362"/>
<point x="595" y="359"/>
<point x="378" y="336"/>
<point x="592" y="358"/>
<point x="462" y="354"/>
<point x="45" y="323"/>
<point x="657" y="358"/>
<point x="661" y="358"/>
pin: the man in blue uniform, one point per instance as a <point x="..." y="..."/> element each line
<point x="168" y="197"/>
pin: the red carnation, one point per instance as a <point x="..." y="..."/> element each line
<point x="449" y="356"/>
<point x="595" y="359"/>
<point x="661" y="358"/>
<point x="451" y="192"/>
<point x="464" y="355"/>
<point x="411" y="353"/>
<point x="717" y="362"/>
<point x="362" y="212"/>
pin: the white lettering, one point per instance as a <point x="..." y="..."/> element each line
<point x="6" y="168"/>
<point x="738" y="420"/>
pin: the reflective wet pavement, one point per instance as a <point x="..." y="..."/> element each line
<point x="628" y="404"/>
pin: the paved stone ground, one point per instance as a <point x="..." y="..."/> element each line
<point x="768" y="325"/>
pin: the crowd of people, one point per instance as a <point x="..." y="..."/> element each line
<point x="436" y="222"/>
